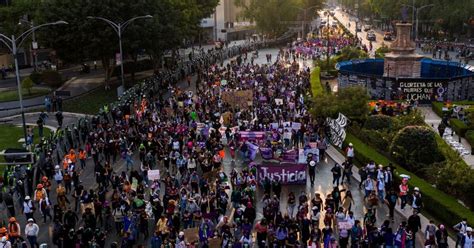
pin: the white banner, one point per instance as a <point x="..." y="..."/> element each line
<point x="338" y="133"/>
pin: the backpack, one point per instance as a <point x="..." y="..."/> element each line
<point x="39" y="194"/>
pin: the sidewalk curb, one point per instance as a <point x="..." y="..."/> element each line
<point x="9" y="118"/>
<point x="335" y="155"/>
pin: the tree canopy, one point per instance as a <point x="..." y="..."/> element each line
<point x="449" y="16"/>
<point x="87" y="39"/>
<point x="273" y="17"/>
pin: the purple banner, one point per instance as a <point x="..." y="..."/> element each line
<point x="252" y="150"/>
<point x="251" y="135"/>
<point x="290" y="156"/>
<point x="286" y="173"/>
<point x="267" y="153"/>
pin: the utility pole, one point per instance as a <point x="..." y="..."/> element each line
<point x="416" y="11"/>
<point x="327" y="42"/>
<point x="119" y="28"/>
<point x="13" y="44"/>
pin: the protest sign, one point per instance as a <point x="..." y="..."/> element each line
<point x="286" y="173"/>
<point x="191" y="234"/>
<point x="253" y="149"/>
<point x="274" y="125"/>
<point x="153" y="175"/>
<point x="290" y="155"/>
<point x="239" y="98"/>
<point x="255" y="135"/>
<point x="267" y="153"/>
<point x="134" y="184"/>
<point x="344" y="225"/>
<point x="296" y="125"/>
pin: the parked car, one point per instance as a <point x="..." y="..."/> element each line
<point x="358" y="29"/>
<point x="371" y="36"/>
<point x="387" y="36"/>
<point x="367" y="27"/>
<point x="334" y="24"/>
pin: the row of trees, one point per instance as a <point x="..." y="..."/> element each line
<point x="448" y="16"/>
<point x="273" y="17"/>
<point x="83" y="39"/>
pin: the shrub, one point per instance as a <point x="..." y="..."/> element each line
<point x="27" y="84"/>
<point x="470" y="137"/>
<point x="414" y="118"/>
<point x="375" y="138"/>
<point x="316" y="87"/>
<point x="351" y="52"/>
<point x="437" y="107"/>
<point x="416" y="148"/>
<point x="378" y="122"/>
<point x="458" y="126"/>
<point x="52" y="78"/>
<point x="36" y="77"/>
<point x="381" y="51"/>
<point x="440" y="205"/>
<point x="130" y="66"/>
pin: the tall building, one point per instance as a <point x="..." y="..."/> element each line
<point x="225" y="23"/>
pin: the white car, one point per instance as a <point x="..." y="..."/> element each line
<point x="367" y="27"/>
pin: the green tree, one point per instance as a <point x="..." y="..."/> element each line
<point x="381" y="51"/>
<point x="274" y="17"/>
<point x="416" y="148"/>
<point x="349" y="53"/>
<point x="27" y="84"/>
<point x="84" y="39"/>
<point x="350" y="101"/>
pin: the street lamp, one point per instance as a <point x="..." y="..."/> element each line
<point x="12" y="44"/>
<point x="416" y="11"/>
<point x="303" y="23"/>
<point x="119" y="27"/>
<point x="33" y="36"/>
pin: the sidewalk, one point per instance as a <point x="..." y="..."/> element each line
<point x="339" y="158"/>
<point x="432" y="119"/>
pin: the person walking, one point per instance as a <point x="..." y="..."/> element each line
<point x="336" y="174"/>
<point x="414" y="224"/>
<point x="59" y="118"/>
<point x="45" y="208"/>
<point x="28" y="207"/>
<point x="460" y="228"/>
<point x="350" y="153"/>
<point x="14" y="230"/>
<point x="441" y="237"/>
<point x="468" y="239"/>
<point x="312" y="172"/>
<point x="31" y="232"/>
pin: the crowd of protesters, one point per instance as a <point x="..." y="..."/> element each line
<point x="174" y="190"/>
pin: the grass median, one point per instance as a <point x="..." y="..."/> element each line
<point x="12" y="95"/>
<point x="91" y="102"/>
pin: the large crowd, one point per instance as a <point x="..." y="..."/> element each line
<point x="174" y="190"/>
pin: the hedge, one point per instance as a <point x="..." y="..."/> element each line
<point x="470" y="137"/>
<point x="437" y="107"/>
<point x="458" y="126"/>
<point x="316" y="86"/>
<point x="440" y="205"/>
